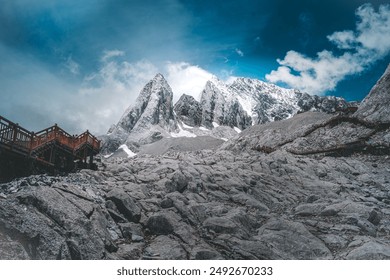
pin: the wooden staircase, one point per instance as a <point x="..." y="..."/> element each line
<point x="49" y="149"/>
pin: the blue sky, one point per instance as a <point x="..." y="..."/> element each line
<point x="81" y="63"/>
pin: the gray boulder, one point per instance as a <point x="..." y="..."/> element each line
<point x="291" y="240"/>
<point x="376" y="106"/>
<point x="125" y="204"/>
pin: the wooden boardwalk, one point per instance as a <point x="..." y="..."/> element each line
<point x="22" y="152"/>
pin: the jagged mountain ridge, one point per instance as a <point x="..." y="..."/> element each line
<point x="238" y="105"/>
<point x="246" y="102"/>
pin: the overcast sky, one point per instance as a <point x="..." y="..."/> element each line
<point x="81" y="63"/>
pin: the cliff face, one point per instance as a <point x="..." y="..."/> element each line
<point x="149" y="119"/>
<point x="221" y="107"/>
<point x="189" y="111"/>
<point x="154" y="106"/>
<point x="376" y="106"/>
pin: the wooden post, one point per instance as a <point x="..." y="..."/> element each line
<point x="55" y="131"/>
<point x="15" y="135"/>
<point x="52" y="155"/>
<point x="90" y="159"/>
<point x="31" y="143"/>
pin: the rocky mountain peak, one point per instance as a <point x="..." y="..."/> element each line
<point x="160" y="79"/>
<point x="220" y="106"/>
<point x="147" y="120"/>
<point x="235" y="107"/>
<point x="376" y="106"/>
<point x="154" y="105"/>
<point x="188" y="110"/>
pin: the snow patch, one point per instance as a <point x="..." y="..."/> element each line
<point x="127" y="151"/>
<point x="215" y="124"/>
<point x="237" y="129"/>
<point x="224" y="139"/>
<point x="182" y="133"/>
<point x="203" y="128"/>
<point x="186" y="126"/>
<point x="246" y="104"/>
<point x="107" y="156"/>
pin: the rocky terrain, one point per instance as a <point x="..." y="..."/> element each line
<point x="315" y="186"/>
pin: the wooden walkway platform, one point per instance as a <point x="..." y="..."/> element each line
<point x="23" y="152"/>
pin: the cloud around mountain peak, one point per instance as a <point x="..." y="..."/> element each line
<point x="362" y="47"/>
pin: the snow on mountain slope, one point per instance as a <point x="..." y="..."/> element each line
<point x="268" y="102"/>
<point x="149" y="119"/>
<point x="221" y="106"/>
<point x="154" y="106"/>
<point x="224" y="110"/>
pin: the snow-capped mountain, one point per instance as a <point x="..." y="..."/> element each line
<point x="149" y="119"/>
<point x="154" y="106"/>
<point x="223" y="111"/>
<point x="221" y="106"/>
<point x="247" y="102"/>
<point x="267" y="102"/>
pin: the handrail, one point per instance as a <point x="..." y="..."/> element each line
<point x="9" y="123"/>
<point x="87" y="138"/>
<point x="16" y="137"/>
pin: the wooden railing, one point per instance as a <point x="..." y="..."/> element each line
<point x="15" y="137"/>
<point x="53" y="133"/>
<point x="86" y="138"/>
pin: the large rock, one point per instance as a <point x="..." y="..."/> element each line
<point x="165" y="248"/>
<point x="291" y="240"/>
<point x="161" y="224"/>
<point x="49" y="226"/>
<point x="220" y="225"/>
<point x="125" y="204"/>
<point x="370" y="251"/>
<point x="376" y="106"/>
<point x="11" y="250"/>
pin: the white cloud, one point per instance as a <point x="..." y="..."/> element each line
<point x="239" y="52"/>
<point x="227" y="76"/>
<point x="98" y="102"/>
<point x="112" y="89"/>
<point x="186" y="78"/>
<point x="72" y="66"/>
<point x="118" y="82"/>
<point x="111" y="53"/>
<point x="363" y="47"/>
<point x="316" y="75"/>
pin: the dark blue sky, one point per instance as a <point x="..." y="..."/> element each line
<point x="82" y="62"/>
